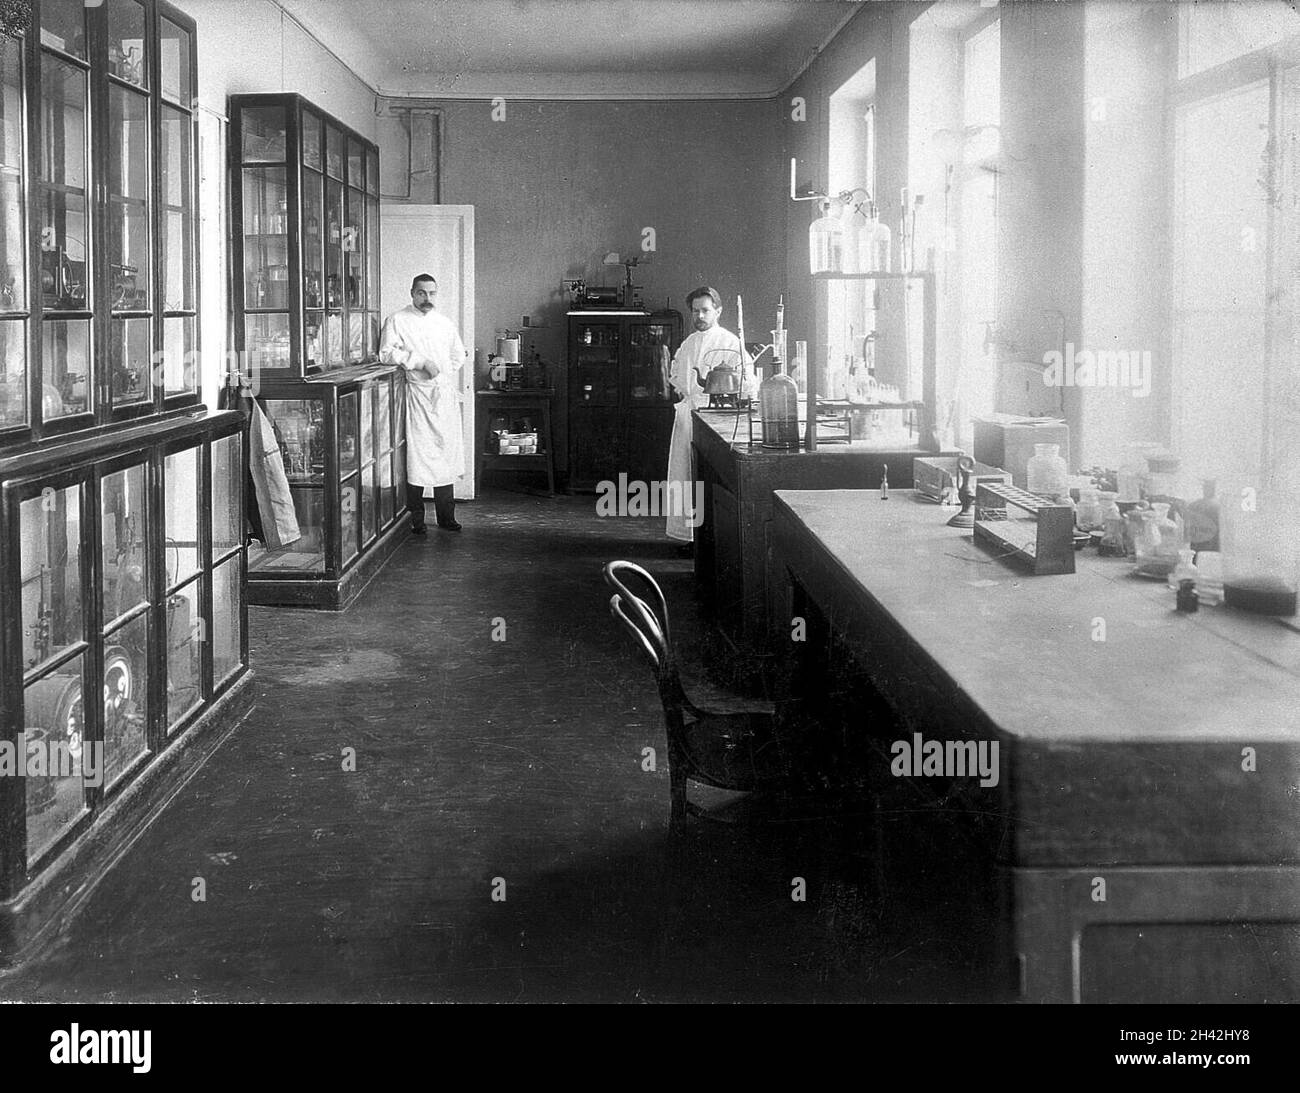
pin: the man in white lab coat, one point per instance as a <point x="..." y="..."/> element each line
<point x="706" y="348"/>
<point x="428" y="346"/>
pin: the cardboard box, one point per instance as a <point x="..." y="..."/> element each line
<point x="1005" y="440"/>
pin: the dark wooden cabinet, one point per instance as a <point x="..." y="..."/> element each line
<point x="620" y="406"/>
<point x="304" y="252"/>
<point x="123" y="638"/>
<point x="98" y="255"/>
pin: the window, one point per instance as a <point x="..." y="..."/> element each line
<point x="977" y="204"/>
<point x="1235" y="317"/>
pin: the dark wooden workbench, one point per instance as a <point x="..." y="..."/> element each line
<point x="1163" y="760"/>
<point x="738" y="480"/>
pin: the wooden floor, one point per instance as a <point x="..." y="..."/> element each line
<point x="520" y="760"/>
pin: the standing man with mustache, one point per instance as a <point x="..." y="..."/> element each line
<point x="708" y="347"/>
<point x="428" y="346"/>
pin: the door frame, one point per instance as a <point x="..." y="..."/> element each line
<point x="404" y="220"/>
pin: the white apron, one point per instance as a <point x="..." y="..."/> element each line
<point x="696" y="357"/>
<point x="435" y="452"/>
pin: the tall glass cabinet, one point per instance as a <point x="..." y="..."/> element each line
<point x="122" y="621"/>
<point x="305" y="265"/>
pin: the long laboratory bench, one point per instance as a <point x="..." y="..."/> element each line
<point x="1148" y="792"/>
<point x="737" y="480"/>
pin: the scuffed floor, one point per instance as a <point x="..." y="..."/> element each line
<point x="512" y="765"/>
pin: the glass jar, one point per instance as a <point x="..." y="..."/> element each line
<point x="1047" y="472"/>
<point x="1112" y="528"/>
<point x="1163" y="476"/>
<point x="1185" y="570"/>
<point x="1088" y="513"/>
<point x="1131" y="479"/>
<point x="880" y="245"/>
<point x="1260" y="533"/>
<point x="826" y="243"/>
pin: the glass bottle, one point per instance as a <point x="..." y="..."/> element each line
<point x="826" y="243"/>
<point x="1132" y="474"/>
<point x="1047" y="472"/>
<point x="1185" y="570"/>
<point x="1112" y="524"/>
<point x="882" y="244"/>
<point x="778" y="401"/>
<point x="1088" y="514"/>
<point x="1203" y="518"/>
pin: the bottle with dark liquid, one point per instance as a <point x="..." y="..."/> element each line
<point x="778" y="401"/>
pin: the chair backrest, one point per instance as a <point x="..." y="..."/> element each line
<point x="647" y="623"/>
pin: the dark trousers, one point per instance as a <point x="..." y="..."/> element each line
<point x="444" y="504"/>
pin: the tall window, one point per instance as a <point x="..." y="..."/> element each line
<point x="851" y="147"/>
<point x="1235" y="305"/>
<point x="978" y="204"/>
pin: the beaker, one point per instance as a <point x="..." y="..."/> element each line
<point x="1260" y="543"/>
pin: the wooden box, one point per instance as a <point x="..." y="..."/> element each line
<point x="1003" y="440"/>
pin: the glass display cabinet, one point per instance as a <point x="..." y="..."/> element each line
<point x="620" y="406"/>
<point x="121" y="498"/>
<point x="305" y="261"/>
<point x="342" y="442"/>
<point x="123" y="582"/>
<point x="98" y="298"/>
<point x="305" y="238"/>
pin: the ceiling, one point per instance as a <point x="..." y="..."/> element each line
<point x="574" y="49"/>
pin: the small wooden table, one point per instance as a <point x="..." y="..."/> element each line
<point x="1148" y="800"/>
<point x="532" y="403"/>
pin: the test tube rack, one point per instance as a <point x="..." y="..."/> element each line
<point x="1003" y="515"/>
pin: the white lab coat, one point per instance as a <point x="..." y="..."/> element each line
<point x="699" y="354"/>
<point x="435" y="453"/>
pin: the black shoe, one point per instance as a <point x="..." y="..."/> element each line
<point x="453" y="525"/>
<point x="419" y="529"/>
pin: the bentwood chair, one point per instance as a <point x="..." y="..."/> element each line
<point x="732" y="750"/>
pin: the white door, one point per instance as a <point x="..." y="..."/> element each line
<point x="436" y="239"/>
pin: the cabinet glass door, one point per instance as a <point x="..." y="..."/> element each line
<point x="13" y="236"/>
<point x="129" y="262"/>
<point x="63" y="26"/>
<point x="125" y="593"/>
<point x="313" y="242"/>
<point x="63" y="216"/>
<point x="174" y="63"/>
<point x="127" y="58"/>
<point x="54" y="643"/>
<point x="354" y="273"/>
<point x="597" y="354"/>
<point x="369" y="473"/>
<point x="265" y="198"/>
<point x="299" y="426"/>
<point x="186" y="630"/>
<point x="334" y="274"/>
<point x="179" y="302"/>
<point x="349" y="486"/>
<point x="649" y="355"/>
